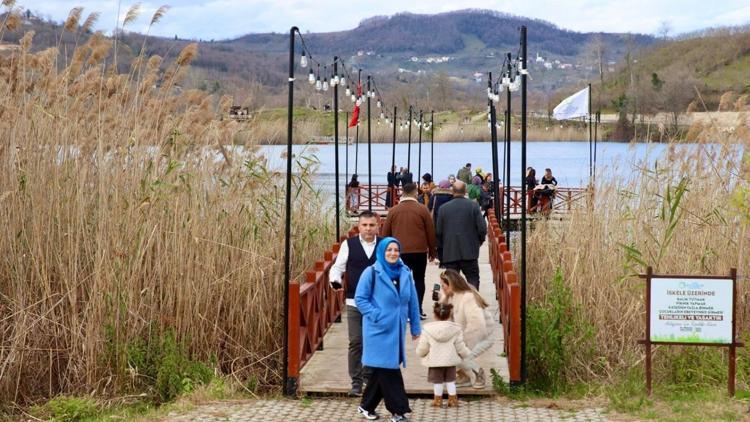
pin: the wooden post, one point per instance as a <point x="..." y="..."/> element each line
<point x="649" y="272"/>
<point x="733" y="346"/>
<point x="293" y="351"/>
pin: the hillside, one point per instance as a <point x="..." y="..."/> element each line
<point x="405" y="57"/>
<point x="714" y="62"/>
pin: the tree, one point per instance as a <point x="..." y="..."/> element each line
<point x="443" y="90"/>
<point x="665" y="28"/>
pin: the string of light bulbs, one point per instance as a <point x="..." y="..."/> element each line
<point x="320" y="81"/>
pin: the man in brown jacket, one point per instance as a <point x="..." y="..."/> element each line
<point x="411" y="223"/>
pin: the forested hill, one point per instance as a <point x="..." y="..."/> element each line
<point x="448" y="33"/>
<point x="409" y="53"/>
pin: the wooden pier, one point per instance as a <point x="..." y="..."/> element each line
<point x="317" y="335"/>
<point x="326" y="372"/>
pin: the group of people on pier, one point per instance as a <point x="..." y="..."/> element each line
<point x="479" y="186"/>
<point x="385" y="271"/>
<point x="542" y="191"/>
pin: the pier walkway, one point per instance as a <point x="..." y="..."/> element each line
<point x="326" y="372"/>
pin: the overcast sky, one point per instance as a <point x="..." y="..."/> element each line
<point x="221" y="19"/>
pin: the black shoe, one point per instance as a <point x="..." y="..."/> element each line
<point x="367" y="415"/>
<point x="356" y="391"/>
<point x="422" y="316"/>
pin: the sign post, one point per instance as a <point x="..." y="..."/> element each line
<point x="691" y="311"/>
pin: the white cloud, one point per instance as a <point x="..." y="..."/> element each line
<point x="218" y="19"/>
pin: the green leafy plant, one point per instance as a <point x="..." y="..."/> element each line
<point x="556" y="330"/>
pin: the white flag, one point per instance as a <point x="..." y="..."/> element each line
<point x="577" y="105"/>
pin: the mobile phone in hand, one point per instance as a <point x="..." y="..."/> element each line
<point x="336" y="285"/>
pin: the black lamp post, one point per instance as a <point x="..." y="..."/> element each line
<point x="508" y="125"/>
<point x="408" y="149"/>
<point x="290" y="384"/>
<point x="336" y="145"/>
<point x="369" y="149"/>
<point x="432" y="144"/>
<point x="493" y="141"/>
<point x="419" y="155"/>
<point x="346" y="165"/>
<point x="523" y="63"/>
<point x="392" y="186"/>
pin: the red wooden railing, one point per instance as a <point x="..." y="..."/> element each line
<point x="313" y="307"/>
<point x="379" y="196"/>
<point x="508" y="294"/>
<point x="565" y="199"/>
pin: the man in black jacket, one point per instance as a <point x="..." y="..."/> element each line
<point x="394" y="179"/>
<point x="355" y="254"/>
<point x="460" y="231"/>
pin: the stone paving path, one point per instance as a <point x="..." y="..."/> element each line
<point x="327" y="409"/>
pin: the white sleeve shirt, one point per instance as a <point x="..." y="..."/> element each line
<point x="339" y="266"/>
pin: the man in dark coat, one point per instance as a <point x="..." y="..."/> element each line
<point x="394" y="180"/>
<point x="411" y="223"/>
<point x="460" y="232"/>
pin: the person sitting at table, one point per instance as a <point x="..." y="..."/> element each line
<point x="549" y="185"/>
<point x="530" y="187"/>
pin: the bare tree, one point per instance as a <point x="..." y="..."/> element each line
<point x="665" y="28"/>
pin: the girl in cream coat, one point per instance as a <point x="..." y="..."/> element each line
<point x="470" y="312"/>
<point x="441" y="347"/>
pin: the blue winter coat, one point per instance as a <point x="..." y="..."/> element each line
<point x="384" y="314"/>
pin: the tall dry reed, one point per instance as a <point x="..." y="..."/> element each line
<point x="126" y="216"/>
<point x="680" y="214"/>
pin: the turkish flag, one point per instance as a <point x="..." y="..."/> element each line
<point x="355" y="112"/>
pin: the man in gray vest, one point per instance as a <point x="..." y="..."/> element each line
<point x="460" y="231"/>
<point x="355" y="254"/>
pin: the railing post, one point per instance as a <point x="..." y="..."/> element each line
<point x="514" y="326"/>
<point x="293" y="340"/>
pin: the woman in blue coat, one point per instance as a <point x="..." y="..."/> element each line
<point x="387" y="298"/>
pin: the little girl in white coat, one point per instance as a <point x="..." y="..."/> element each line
<point x="442" y="347"/>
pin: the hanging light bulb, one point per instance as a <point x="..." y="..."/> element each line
<point x="335" y="80"/>
<point x="378" y="104"/>
<point x="506" y="81"/>
<point x="311" y="77"/>
<point x="342" y="80"/>
<point x="348" y="91"/>
<point x="382" y="115"/>
<point x="387" y="120"/>
<point x="325" y="84"/>
<point x="318" y="83"/>
<point x="303" y="60"/>
<point x="515" y="85"/>
<point x="354" y="98"/>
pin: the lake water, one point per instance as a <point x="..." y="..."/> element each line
<point x="569" y="161"/>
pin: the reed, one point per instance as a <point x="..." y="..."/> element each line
<point x="685" y="214"/>
<point x="127" y="215"/>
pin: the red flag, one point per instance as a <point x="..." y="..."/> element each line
<point x="355" y="112"/>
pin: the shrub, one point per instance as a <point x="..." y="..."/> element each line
<point x="556" y="331"/>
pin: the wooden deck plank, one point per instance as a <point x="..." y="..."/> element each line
<point x="327" y="371"/>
